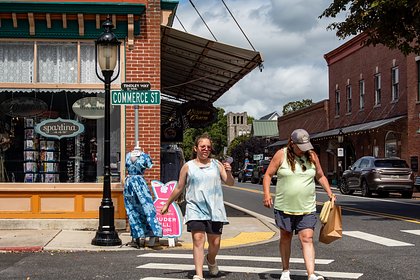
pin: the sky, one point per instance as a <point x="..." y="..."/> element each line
<point x="289" y="36"/>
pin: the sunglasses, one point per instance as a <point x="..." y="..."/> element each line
<point x="202" y="148"/>
<point x="302" y="165"/>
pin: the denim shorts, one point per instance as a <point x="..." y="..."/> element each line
<point x="294" y="223"/>
<point x="205" y="225"/>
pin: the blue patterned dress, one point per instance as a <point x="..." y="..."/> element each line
<point x="138" y="200"/>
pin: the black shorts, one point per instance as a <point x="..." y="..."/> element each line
<point x="205" y="225"/>
<point x="294" y="223"/>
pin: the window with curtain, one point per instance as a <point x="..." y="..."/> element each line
<point x="57" y="63"/>
<point x="337" y="102"/>
<point x="377" y="84"/>
<point x="361" y="94"/>
<point x="349" y="98"/>
<point x="395" y="83"/>
<point x="87" y="64"/>
<point x="16" y="62"/>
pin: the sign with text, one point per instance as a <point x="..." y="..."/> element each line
<point x="197" y="114"/>
<point x="135" y="97"/>
<point x="171" y="221"/>
<point x="135" y="86"/>
<point x="59" y="128"/>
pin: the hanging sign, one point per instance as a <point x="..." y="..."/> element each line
<point x="197" y="114"/>
<point x="90" y="107"/>
<point x="171" y="221"/>
<point x="59" y="128"/>
<point x="23" y="107"/>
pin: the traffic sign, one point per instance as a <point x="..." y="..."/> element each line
<point x="135" y="97"/>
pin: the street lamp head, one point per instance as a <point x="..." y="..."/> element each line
<point x="107" y="48"/>
<point x="340" y="136"/>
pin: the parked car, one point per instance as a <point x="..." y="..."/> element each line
<point x="259" y="171"/>
<point x="380" y="175"/>
<point x="246" y="172"/>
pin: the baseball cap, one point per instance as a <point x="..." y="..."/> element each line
<point x="301" y="138"/>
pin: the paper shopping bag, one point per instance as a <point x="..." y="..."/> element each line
<point x="325" y="211"/>
<point x="332" y="229"/>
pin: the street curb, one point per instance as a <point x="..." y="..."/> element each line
<point x="263" y="219"/>
<point x="23" y="249"/>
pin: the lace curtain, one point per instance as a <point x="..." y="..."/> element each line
<point x="16" y="62"/>
<point x="87" y="57"/>
<point x="57" y="63"/>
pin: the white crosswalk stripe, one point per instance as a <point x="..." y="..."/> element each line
<point x="376" y="238"/>
<point x="413" y="231"/>
<point x="242" y="269"/>
<point x="233" y="257"/>
<point x="238" y="269"/>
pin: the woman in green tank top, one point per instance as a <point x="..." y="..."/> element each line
<point x="297" y="166"/>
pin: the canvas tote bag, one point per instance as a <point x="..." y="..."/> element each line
<point x="332" y="229"/>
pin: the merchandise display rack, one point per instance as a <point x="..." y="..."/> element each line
<point x="41" y="158"/>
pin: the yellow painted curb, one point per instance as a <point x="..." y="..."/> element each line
<point x="242" y="238"/>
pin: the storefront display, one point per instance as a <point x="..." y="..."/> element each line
<point x="57" y="146"/>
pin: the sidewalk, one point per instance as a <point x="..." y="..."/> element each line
<point x="245" y="228"/>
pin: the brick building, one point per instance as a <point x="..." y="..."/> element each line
<point x="47" y="75"/>
<point x="374" y="100"/>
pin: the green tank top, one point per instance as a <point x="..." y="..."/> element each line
<point x="295" y="191"/>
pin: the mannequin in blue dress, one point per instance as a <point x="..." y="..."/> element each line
<point x="138" y="200"/>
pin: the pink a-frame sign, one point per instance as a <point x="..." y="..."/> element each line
<point x="171" y="221"/>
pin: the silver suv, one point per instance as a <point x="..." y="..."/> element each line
<point x="381" y="175"/>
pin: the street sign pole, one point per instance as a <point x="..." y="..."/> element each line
<point x="135" y="94"/>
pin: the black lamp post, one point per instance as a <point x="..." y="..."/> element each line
<point x="107" y="55"/>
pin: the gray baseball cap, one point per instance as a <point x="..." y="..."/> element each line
<point x="301" y="138"/>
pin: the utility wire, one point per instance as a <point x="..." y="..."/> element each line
<point x="260" y="66"/>
<point x="203" y="20"/>
<point x="176" y="16"/>
<point x="238" y="24"/>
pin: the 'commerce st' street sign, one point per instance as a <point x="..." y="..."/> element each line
<point x="135" y="97"/>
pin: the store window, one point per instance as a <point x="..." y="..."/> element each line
<point x="28" y="156"/>
<point x="53" y="136"/>
<point x="391" y="145"/>
<point x="16" y="62"/>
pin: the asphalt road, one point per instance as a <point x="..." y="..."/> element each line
<point x="381" y="241"/>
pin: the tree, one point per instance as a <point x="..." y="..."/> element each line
<point x="296" y="105"/>
<point x="393" y="23"/>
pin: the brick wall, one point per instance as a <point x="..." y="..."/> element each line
<point x="143" y="65"/>
<point x="353" y="62"/>
<point x="363" y="64"/>
<point x="313" y="119"/>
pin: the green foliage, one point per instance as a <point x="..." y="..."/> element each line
<point x="393" y="23"/>
<point x="250" y="120"/>
<point x="296" y="105"/>
<point x="236" y="142"/>
<point x="253" y="145"/>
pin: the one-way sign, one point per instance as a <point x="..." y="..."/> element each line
<point x="135" y="97"/>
